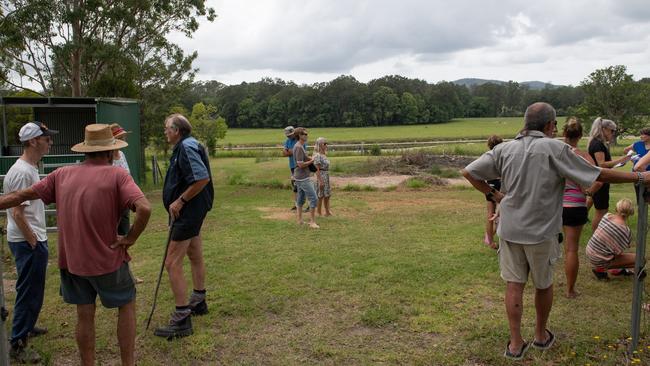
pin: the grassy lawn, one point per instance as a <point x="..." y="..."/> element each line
<point x="395" y="277"/>
<point x="468" y="127"/>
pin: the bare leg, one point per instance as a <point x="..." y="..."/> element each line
<point x="312" y="218"/>
<point x="543" y="305"/>
<point x="174" y="266"/>
<point x="571" y="260"/>
<point x="623" y="260"/>
<point x="195" y="254"/>
<point x="489" y="225"/>
<point x="515" y="309"/>
<point x="299" y="214"/>
<point x="126" y="333"/>
<point x="86" y="333"/>
<point x="327" y="206"/>
<point x="598" y="215"/>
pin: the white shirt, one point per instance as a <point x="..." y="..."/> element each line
<point x="23" y="175"/>
<point x="121" y="162"/>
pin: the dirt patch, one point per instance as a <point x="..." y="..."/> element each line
<point x="9" y="285"/>
<point x="377" y="181"/>
<point x="458" y="182"/>
<point x="274" y="213"/>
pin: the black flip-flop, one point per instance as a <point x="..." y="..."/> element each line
<point x="545" y="345"/>
<point x="516" y="356"/>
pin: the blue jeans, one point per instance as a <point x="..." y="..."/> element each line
<point x="306" y="190"/>
<point x="31" y="265"/>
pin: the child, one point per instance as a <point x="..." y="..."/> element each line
<point x="612" y="236"/>
<point x="322" y="175"/>
<point x="490" y="227"/>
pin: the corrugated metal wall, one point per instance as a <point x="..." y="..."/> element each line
<point x="70" y="123"/>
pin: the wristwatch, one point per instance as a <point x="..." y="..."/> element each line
<point x="490" y="194"/>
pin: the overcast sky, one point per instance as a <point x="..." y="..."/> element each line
<point x="307" y="41"/>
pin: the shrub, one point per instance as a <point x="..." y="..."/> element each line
<point x="375" y="150"/>
<point x="416" y="183"/>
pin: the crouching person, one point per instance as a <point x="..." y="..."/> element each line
<point x="93" y="260"/>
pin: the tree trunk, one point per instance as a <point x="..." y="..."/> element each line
<point x="75" y="56"/>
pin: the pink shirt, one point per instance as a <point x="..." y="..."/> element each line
<point x="90" y="198"/>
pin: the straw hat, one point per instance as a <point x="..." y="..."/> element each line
<point x="99" y="138"/>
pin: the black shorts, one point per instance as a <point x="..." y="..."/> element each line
<point x="495" y="184"/>
<point x="574" y="216"/>
<point x="601" y="198"/>
<point x="115" y="289"/>
<point x="187" y="227"/>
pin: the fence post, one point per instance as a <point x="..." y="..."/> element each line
<point x="639" y="268"/>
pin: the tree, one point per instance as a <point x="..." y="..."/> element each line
<point x="207" y="127"/>
<point x="612" y="93"/>
<point x="74" y="43"/>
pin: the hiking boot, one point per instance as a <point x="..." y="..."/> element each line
<point x="20" y="353"/>
<point x="200" y="308"/>
<point x="175" y="329"/>
<point x="37" y="331"/>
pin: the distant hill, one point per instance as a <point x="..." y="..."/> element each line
<point x="533" y="85"/>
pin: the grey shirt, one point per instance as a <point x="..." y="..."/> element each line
<point x="532" y="169"/>
<point x="300" y="155"/>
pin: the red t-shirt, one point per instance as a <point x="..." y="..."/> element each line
<point x="90" y="198"/>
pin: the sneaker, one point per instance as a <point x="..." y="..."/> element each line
<point x="175" y="329"/>
<point x="20" y="353"/>
<point x="621" y="272"/>
<point x="36" y="331"/>
<point x="600" y="274"/>
<point x="200" y="308"/>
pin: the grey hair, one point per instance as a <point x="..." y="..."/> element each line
<point x="538" y="115"/>
<point x="596" y="132"/>
<point x="180" y="124"/>
<point x="319" y="145"/>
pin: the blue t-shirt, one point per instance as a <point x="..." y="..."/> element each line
<point x="189" y="163"/>
<point x="289" y="144"/>
<point x="639" y="148"/>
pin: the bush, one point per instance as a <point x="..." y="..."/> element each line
<point x="237" y="179"/>
<point x="375" y="150"/>
<point x="416" y="183"/>
<point x="358" y="188"/>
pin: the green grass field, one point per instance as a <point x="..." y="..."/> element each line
<point x="459" y="128"/>
<point x="397" y="276"/>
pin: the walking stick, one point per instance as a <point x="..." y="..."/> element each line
<point x="4" y="314"/>
<point x="162" y="267"/>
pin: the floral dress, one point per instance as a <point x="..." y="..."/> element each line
<point x="323" y="164"/>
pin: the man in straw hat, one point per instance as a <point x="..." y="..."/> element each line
<point x="93" y="259"/>
<point x="187" y="195"/>
<point x="27" y="238"/>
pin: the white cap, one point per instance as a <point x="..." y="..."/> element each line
<point x="34" y="129"/>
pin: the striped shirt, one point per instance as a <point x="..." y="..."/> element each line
<point x="573" y="196"/>
<point x="609" y="240"/>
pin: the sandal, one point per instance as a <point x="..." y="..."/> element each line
<point x="516" y="356"/>
<point x="545" y="345"/>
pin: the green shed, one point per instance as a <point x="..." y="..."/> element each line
<point x="69" y="116"/>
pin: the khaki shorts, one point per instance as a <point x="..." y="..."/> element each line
<point x="517" y="260"/>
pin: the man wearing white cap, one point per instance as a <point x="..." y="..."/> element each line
<point x="93" y="259"/>
<point x="28" y="240"/>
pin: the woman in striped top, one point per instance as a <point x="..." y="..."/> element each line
<point x="606" y="246"/>
<point x="574" y="213"/>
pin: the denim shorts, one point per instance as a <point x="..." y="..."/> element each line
<point x="115" y="289"/>
<point x="306" y="190"/>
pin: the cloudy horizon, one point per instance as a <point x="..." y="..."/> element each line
<point x="315" y="41"/>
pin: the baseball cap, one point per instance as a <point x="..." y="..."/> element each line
<point x="288" y="130"/>
<point x="34" y="129"/>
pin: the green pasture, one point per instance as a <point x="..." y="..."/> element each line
<point x="396" y="276"/>
<point x="465" y="128"/>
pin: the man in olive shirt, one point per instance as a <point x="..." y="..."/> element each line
<point x="533" y="169"/>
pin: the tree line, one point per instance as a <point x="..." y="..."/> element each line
<point x="390" y="100"/>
